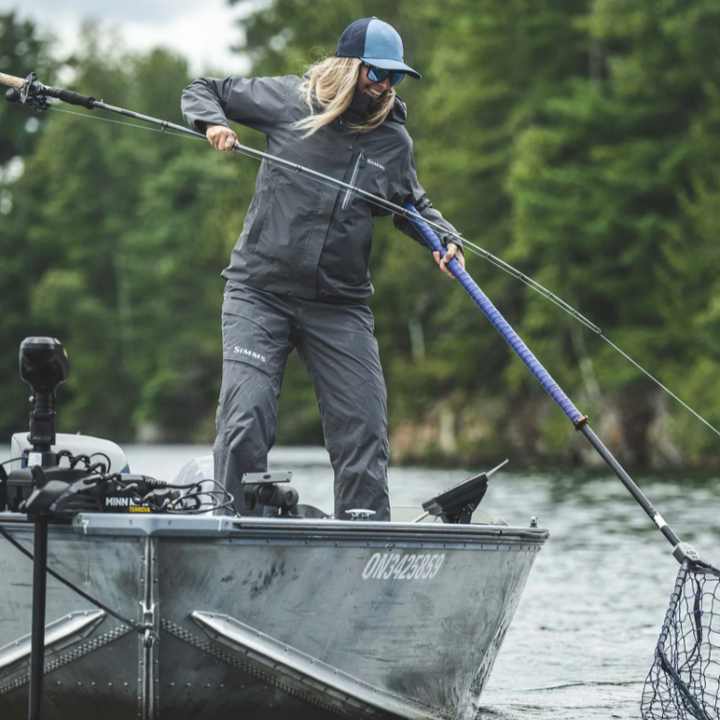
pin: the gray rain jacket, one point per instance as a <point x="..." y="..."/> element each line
<point x="301" y="237"/>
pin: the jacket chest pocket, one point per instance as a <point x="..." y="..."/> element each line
<point x="359" y="163"/>
<point x="372" y="174"/>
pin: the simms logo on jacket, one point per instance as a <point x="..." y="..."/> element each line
<point x="244" y="351"/>
<point x="376" y="164"/>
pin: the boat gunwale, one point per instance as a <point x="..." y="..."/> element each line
<point x="293" y="531"/>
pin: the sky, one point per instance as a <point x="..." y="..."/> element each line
<point x="202" y="32"/>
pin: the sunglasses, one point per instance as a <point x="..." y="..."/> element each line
<point x="376" y="74"/>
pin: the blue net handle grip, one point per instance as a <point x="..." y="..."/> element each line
<point x="498" y="321"/>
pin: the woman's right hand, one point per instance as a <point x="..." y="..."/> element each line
<point x="221" y="137"/>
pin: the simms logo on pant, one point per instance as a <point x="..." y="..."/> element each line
<point x="244" y="351"/>
<point x="376" y="164"/>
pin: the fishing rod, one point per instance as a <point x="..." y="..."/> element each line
<point x="31" y="92"/>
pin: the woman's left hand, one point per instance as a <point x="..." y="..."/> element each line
<point x="452" y="251"/>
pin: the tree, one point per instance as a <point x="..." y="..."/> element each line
<point x="603" y="191"/>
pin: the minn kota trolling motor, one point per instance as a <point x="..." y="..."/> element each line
<point x="43" y="365"/>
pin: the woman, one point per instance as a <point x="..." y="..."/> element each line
<point x="298" y="277"/>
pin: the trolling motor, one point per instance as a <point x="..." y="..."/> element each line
<point x="43" y="365"/>
<point x="44" y="489"/>
<point x="47" y="492"/>
<point x="35" y="489"/>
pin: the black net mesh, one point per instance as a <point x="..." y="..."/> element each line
<point x="684" y="681"/>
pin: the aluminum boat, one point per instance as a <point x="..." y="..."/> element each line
<point x="254" y="617"/>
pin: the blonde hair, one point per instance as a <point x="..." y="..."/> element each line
<point x="331" y="87"/>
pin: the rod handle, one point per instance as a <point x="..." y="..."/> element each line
<point x="11" y="81"/>
<point x="71" y="97"/>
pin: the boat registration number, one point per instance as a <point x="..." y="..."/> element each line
<point x="394" y="566"/>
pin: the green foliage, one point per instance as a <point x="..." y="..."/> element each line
<point x="613" y="189"/>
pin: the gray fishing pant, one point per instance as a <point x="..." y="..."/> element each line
<point x="336" y="344"/>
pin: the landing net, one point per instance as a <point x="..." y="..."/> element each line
<point x="684" y="681"/>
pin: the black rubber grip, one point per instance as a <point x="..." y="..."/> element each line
<point x="72" y="98"/>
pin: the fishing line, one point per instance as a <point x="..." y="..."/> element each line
<point x="392" y="208"/>
<point x="657" y="382"/>
<point x="533" y="284"/>
<point x="162" y="131"/>
<point x="591" y="326"/>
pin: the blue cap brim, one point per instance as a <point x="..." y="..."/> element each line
<point x="392" y="65"/>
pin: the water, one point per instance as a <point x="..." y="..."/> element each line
<point x="583" y="638"/>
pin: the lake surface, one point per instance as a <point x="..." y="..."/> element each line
<point x="583" y="638"/>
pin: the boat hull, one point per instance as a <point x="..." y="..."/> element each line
<point x="282" y="620"/>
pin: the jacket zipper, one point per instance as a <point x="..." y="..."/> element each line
<point x="360" y="162"/>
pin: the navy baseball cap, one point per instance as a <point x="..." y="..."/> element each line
<point x="376" y="43"/>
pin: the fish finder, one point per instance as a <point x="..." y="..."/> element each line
<point x="457" y="504"/>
